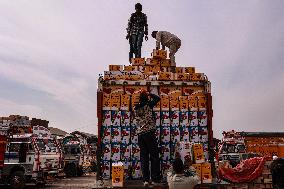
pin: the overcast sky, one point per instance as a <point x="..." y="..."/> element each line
<point x="52" y="51"/>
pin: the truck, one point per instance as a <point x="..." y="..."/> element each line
<point x="183" y="114"/>
<point x="78" y="155"/>
<point x="27" y="153"/>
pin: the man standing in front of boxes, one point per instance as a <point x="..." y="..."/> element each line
<point x="147" y="141"/>
<point x="167" y="40"/>
<point x="137" y="27"/>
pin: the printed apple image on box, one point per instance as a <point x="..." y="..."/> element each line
<point x="116" y="134"/>
<point x="175" y="134"/>
<point x="125" y="135"/>
<point x="125" y="150"/>
<point x="134" y="135"/>
<point x="165" y="151"/>
<point x="115" y="118"/>
<point x="174" y="117"/>
<point x="193" y="120"/>
<point x="165" y="135"/>
<point x="194" y="137"/>
<point x="165" y="119"/>
<point x="183" y="118"/>
<point x="106" y="134"/>
<point x="136" y="170"/>
<point x="125" y="118"/>
<point x="106" y="118"/>
<point x="184" y="134"/>
<point x="115" y="152"/>
<point x="106" y="151"/>
<point x="135" y="152"/>
<point x="157" y="118"/>
<point x="105" y="167"/>
<point x="202" y="118"/>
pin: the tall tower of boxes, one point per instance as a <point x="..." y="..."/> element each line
<point x="183" y="114"/>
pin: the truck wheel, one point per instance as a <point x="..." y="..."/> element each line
<point x="17" y="180"/>
<point x="70" y="170"/>
<point x="80" y="172"/>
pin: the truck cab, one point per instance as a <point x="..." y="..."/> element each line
<point x="28" y="157"/>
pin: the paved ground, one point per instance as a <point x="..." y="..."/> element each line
<point x="85" y="182"/>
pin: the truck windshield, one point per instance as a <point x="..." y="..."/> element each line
<point x="72" y="149"/>
<point x="46" y="145"/>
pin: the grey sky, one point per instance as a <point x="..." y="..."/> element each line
<point x="52" y="51"/>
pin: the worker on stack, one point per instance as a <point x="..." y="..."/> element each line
<point x="137" y="27"/>
<point x="167" y="40"/>
<point x="147" y="141"/>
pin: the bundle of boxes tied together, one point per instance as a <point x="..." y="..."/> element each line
<point x="181" y="115"/>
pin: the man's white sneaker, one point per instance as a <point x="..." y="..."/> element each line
<point x="146" y="184"/>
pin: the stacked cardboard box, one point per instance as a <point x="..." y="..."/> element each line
<point x="181" y="115"/>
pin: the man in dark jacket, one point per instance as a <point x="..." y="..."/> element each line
<point x="136" y="31"/>
<point x="146" y="123"/>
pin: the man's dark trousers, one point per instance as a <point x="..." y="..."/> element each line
<point x="135" y="42"/>
<point x="149" y="146"/>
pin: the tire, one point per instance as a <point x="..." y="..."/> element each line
<point x="80" y="172"/>
<point x="17" y="180"/>
<point x="70" y="170"/>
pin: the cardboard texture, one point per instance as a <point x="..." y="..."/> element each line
<point x="153" y="62"/>
<point x="135" y="152"/>
<point x="184" y="133"/>
<point x="165" y="102"/>
<point x="106" y="102"/>
<point x="125" y="152"/>
<point x="136" y="170"/>
<point x="138" y="61"/>
<point x="115" y="67"/>
<point x="115" y="118"/>
<point x="115" y="134"/>
<point x="165" y="119"/>
<point x="125" y="118"/>
<point x="184" y="118"/>
<point x="125" y="102"/>
<point x="125" y="135"/>
<point x="193" y="120"/>
<point x="105" y="168"/>
<point x="106" y="118"/>
<point x="165" y="151"/>
<point x="189" y="70"/>
<point x="184" y="151"/>
<point x="174" y="117"/>
<point x="106" y="149"/>
<point x="117" y="174"/>
<point x="206" y="175"/>
<point x="198" y="153"/>
<point x="115" y="101"/>
<point x="106" y="134"/>
<point x="165" y="62"/>
<point x="175" y="134"/>
<point x="159" y="54"/>
<point x="165" y="134"/>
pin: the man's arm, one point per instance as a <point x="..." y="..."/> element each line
<point x="158" y="40"/>
<point x="154" y="100"/>
<point x="146" y="25"/>
<point x="129" y="26"/>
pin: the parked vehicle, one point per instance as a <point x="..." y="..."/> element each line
<point x="78" y="156"/>
<point x="27" y="154"/>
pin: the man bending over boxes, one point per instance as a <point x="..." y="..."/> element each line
<point x="147" y="141"/>
<point x="167" y="40"/>
<point x="135" y="31"/>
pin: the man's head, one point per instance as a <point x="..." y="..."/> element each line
<point x="143" y="96"/>
<point x="178" y="166"/>
<point x="138" y="7"/>
<point x="154" y="33"/>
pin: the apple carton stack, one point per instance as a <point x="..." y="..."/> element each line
<point x="181" y="115"/>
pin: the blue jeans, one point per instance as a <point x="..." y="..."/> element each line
<point x="135" y="42"/>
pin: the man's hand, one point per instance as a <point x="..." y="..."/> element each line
<point x="127" y="37"/>
<point x="146" y="37"/>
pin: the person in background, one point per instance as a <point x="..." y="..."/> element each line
<point x="147" y="141"/>
<point x="178" y="179"/>
<point x="167" y="40"/>
<point x="137" y="27"/>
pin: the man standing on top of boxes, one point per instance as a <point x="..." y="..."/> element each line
<point x="167" y="40"/>
<point x="136" y="31"/>
<point x="146" y="136"/>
